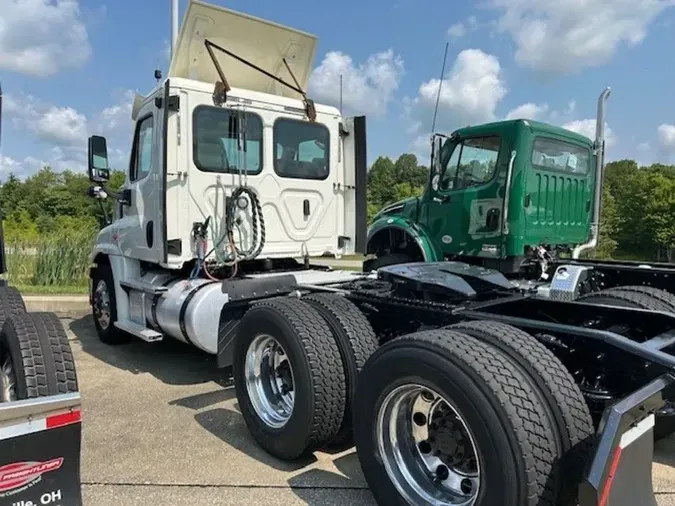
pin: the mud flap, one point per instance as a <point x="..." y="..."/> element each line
<point x="40" y="441"/>
<point x="621" y="471"/>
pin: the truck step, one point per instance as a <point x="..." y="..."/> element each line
<point x="149" y="335"/>
<point x="144" y="287"/>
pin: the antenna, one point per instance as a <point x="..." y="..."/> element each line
<point x="440" y="85"/>
<point x="340" y="94"/>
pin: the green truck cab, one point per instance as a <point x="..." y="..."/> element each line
<point x="509" y="195"/>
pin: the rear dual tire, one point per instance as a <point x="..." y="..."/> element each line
<point x="296" y="364"/>
<point x="507" y="412"/>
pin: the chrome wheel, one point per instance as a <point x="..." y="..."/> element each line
<point x="269" y="381"/>
<point x="102" y="304"/>
<point x="7" y="378"/>
<point x="427" y="448"/>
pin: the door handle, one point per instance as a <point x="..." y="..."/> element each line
<point x="442" y="199"/>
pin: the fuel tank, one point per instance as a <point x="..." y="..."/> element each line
<point x="189" y="310"/>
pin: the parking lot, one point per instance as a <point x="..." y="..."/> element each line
<point x="162" y="427"/>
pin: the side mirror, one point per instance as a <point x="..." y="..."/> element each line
<point x="435" y="172"/>
<point x="436" y="144"/>
<point x="98" y="159"/>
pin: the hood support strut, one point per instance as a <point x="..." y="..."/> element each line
<point x="222" y="87"/>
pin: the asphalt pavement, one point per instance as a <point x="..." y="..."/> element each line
<point x="161" y="426"/>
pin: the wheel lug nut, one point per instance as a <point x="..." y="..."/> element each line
<point x="420" y="419"/>
<point x="466" y="486"/>
<point x="442" y="473"/>
<point x="424" y="447"/>
<point x="427" y="396"/>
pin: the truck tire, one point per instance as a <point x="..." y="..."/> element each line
<point x="34" y="349"/>
<point x="305" y="360"/>
<point x="561" y="396"/>
<point x="356" y="341"/>
<point x="625" y="298"/>
<point x="463" y="385"/>
<point x="11" y="302"/>
<point x="655" y="293"/>
<point x="104" y="307"/>
<point x="640" y="298"/>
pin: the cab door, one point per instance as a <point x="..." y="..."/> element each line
<point x="140" y="228"/>
<point x="464" y="211"/>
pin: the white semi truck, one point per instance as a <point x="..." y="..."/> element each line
<point x="234" y="173"/>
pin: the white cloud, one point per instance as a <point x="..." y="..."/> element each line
<point x="457" y="30"/>
<point x="470" y="93"/>
<point x="367" y="88"/>
<point x="561" y="36"/>
<point x="8" y="165"/>
<point x="118" y="116"/>
<point x="666" y="134"/>
<point x="460" y="29"/>
<point x="49" y="123"/>
<point x="587" y="127"/>
<point x="63" y="131"/>
<point x="42" y="37"/>
<point x="529" y="110"/>
<point x="20" y="168"/>
<point x="62" y="125"/>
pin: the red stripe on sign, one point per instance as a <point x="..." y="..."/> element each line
<point x="610" y="478"/>
<point x="64" y="419"/>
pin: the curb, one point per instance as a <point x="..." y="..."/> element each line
<point x="71" y="305"/>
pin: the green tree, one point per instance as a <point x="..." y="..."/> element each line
<point x="381" y="181"/>
<point x="609" y="221"/>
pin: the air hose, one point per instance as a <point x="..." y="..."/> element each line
<point x="257" y="224"/>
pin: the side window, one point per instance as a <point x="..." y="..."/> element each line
<point x="558" y="155"/>
<point x="227" y="140"/>
<point x="141" y="163"/>
<point x="301" y="149"/>
<point x="473" y="162"/>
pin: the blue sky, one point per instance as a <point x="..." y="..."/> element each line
<point x="68" y="69"/>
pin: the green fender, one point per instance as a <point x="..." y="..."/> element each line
<point x="427" y="246"/>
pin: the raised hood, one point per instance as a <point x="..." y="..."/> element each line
<point x="258" y="41"/>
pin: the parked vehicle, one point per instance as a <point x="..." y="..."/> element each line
<point x="40" y="418"/>
<point x="456" y="385"/>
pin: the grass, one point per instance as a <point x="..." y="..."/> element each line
<point x="50" y="290"/>
<point x="52" y="264"/>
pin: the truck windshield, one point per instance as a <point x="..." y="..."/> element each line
<point x="559" y="155"/>
<point x="216" y="143"/>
